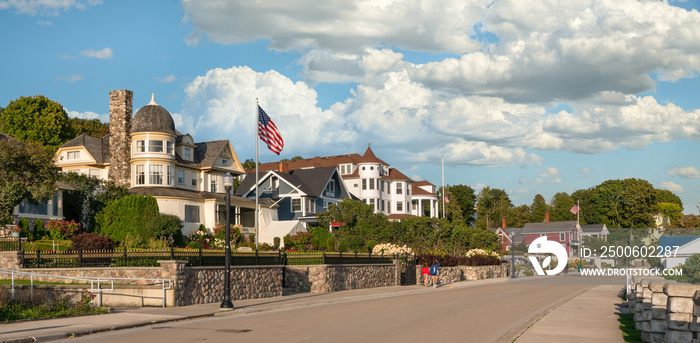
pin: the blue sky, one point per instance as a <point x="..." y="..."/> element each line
<point x="527" y="96"/>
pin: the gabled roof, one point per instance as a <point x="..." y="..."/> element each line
<point x="311" y="182"/>
<point x="545" y="227"/>
<point x="670" y="241"/>
<point x="395" y="174"/>
<point x="593" y="228"/>
<point x="318" y="162"/>
<point x="98" y="148"/>
<point x="194" y="195"/>
<point x="519" y="235"/>
<point x="416" y="188"/>
<point x="206" y="153"/>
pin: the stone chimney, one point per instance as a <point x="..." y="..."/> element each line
<point x="120" y="112"/>
<point x="546" y="217"/>
<point x="503" y="223"/>
<point x="283" y="167"/>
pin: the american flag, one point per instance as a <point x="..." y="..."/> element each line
<point x="574" y="209"/>
<point x="447" y="198"/>
<point x="268" y="132"/>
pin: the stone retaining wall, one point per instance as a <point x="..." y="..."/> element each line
<point x="203" y="285"/>
<point x="464" y="273"/>
<point x="332" y="278"/>
<point x="664" y="310"/>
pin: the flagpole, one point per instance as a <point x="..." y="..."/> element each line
<point x="442" y="158"/>
<point x="257" y="134"/>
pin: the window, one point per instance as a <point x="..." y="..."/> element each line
<point x="188" y="154"/>
<point x="274" y="182"/>
<point x="213" y="184"/>
<point x="27" y="207"/>
<point x="155" y="174"/>
<point x="331" y="186"/>
<point x="371" y="183"/>
<point x="381" y="185"/>
<point x="170" y="148"/>
<point x="140" y="146"/>
<point x="310" y="205"/>
<point x="171" y="175"/>
<point x="345" y="169"/>
<point x="140" y="174"/>
<point x="399" y="189"/>
<point x="371" y="202"/>
<point x="399" y="206"/>
<point x="543" y="235"/>
<point x="562" y="236"/>
<point x="191" y="214"/>
<point x="73" y="155"/>
<point x="194" y="179"/>
<point x="408" y="190"/>
<point x="388" y="188"/>
<point x="224" y="161"/>
<point x="180" y="176"/>
<point x="381" y="206"/>
<point x="414" y="204"/>
<point x="364" y="184"/>
<point x="155" y="146"/>
<point x="296" y="205"/>
<point x="388" y="207"/>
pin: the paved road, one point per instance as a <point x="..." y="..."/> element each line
<point x="497" y="312"/>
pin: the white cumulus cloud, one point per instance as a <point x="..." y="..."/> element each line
<point x="673" y="187"/>
<point x="103" y="54"/>
<point x="46" y="7"/>
<point x="685" y="172"/>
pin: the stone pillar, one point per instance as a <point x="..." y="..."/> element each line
<point x="10" y="260"/>
<point x="679" y="312"/>
<point x="657" y="321"/>
<point x="120" y="112"/>
<point x="175" y="271"/>
<point x="645" y="315"/>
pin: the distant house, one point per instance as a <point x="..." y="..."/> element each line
<point x="423" y="199"/>
<point x="300" y="194"/>
<point x="568" y="233"/>
<point x="679" y="247"/>
<point x="372" y="181"/>
<point x="595" y="230"/>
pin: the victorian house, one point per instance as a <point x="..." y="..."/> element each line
<point x="150" y="157"/>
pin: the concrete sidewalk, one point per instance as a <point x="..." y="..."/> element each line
<point x="591" y="316"/>
<point x="125" y="318"/>
<point x="588" y="316"/>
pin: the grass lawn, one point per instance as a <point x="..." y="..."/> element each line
<point x="629" y="333"/>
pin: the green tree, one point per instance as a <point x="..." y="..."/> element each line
<point x="26" y="171"/>
<point x="36" y="119"/>
<point x="519" y="216"/>
<point x="538" y="209"/>
<point x="672" y="211"/>
<point x="464" y="199"/>
<point x="91" y="127"/>
<point x="562" y="204"/>
<point x="249" y="164"/>
<point x="664" y="195"/>
<point x="492" y="205"/>
<point x="691" y="271"/>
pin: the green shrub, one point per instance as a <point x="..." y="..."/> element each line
<point x="276" y="243"/>
<point x="251" y="238"/>
<point x="194" y="245"/>
<point x="315" y="244"/>
<point x="343" y="245"/>
<point x="131" y="215"/>
<point x="370" y="244"/>
<point x="167" y="226"/>
<point x="91" y="241"/>
<point x="38" y="226"/>
<point x="288" y="242"/>
<point x="330" y="244"/>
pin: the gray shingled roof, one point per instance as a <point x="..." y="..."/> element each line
<point x="519" y="235"/>
<point x="593" y="228"/>
<point x="313" y="181"/>
<point x="206" y="153"/>
<point x="545" y="227"/>
<point x="670" y="241"/>
<point x="153" y="118"/>
<point x="97" y="147"/>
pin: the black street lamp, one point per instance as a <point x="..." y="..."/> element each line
<point x="228" y="185"/>
<point x="512" y="251"/>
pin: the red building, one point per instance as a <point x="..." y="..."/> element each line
<point x="567" y="233"/>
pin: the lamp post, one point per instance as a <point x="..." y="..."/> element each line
<point x="512" y="251"/>
<point x="228" y="185"/>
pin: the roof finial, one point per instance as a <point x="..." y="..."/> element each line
<point x="368" y="144"/>
<point x="153" y="99"/>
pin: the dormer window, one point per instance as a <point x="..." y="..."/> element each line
<point x="188" y="154"/>
<point x="331" y="186"/>
<point x="73" y="155"/>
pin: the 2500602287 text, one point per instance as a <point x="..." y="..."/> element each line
<point x="612" y="251"/>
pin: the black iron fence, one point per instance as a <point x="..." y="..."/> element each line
<point x="194" y="257"/>
<point x="10" y="244"/>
